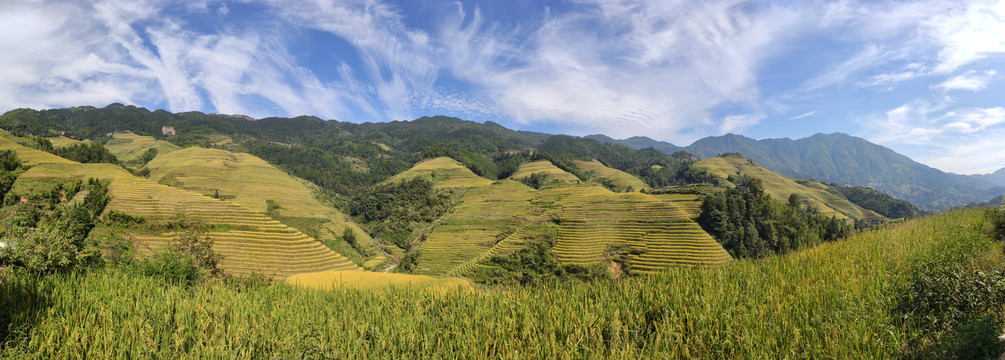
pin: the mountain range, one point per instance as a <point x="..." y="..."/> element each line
<point x="845" y="160"/>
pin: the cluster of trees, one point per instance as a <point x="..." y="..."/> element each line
<point x="92" y="152"/>
<point x="881" y="203"/>
<point x="10" y="169"/>
<point x="535" y="264"/>
<point x="49" y="233"/>
<point x="393" y="211"/>
<point x="750" y="224"/>
<point x="657" y="169"/>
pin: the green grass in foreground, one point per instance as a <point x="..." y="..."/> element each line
<point x="837" y="300"/>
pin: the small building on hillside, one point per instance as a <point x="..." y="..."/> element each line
<point x="168" y="131"/>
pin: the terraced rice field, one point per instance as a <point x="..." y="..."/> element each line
<point x="661" y="232"/>
<point x="508" y="245"/>
<point x="544" y="166"/>
<point x="471" y="229"/>
<point x="255" y="243"/>
<point x="621" y="179"/>
<point x="61" y="141"/>
<point x="27" y="155"/>
<point x="443" y="172"/>
<point x="126" y="147"/>
<point x="251" y="182"/>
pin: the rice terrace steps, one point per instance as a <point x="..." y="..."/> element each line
<point x="254" y="244"/>
<point x="658" y="231"/>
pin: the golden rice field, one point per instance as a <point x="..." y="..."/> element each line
<point x="621" y="179"/>
<point x="834" y="301"/>
<point x="331" y="279"/>
<point x="251" y="182"/>
<point x="126" y="147"/>
<point x="259" y="244"/>
<point x="61" y="141"/>
<point x="472" y="227"/>
<point x="780" y="188"/>
<point x="27" y="155"/>
<point x="546" y="167"/>
<point x="443" y="172"/>
<point x="528" y="231"/>
<point x="659" y="233"/>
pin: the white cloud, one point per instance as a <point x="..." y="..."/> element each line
<point x="963" y="140"/>
<point x="625" y="67"/>
<point x="968" y="34"/>
<point x="740" y="122"/>
<point x="971" y="81"/>
<point x="803" y="115"/>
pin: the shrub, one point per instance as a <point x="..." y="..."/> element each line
<point x="185" y="261"/>
<point x="48" y="249"/>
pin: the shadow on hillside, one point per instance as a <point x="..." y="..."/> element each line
<point x="20" y="306"/>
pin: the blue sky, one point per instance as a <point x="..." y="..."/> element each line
<point x="925" y="78"/>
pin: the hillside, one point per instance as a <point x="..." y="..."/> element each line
<point x="845" y="160"/>
<point x="811" y="194"/>
<point x="545" y="167"/>
<point x="619" y="180"/>
<point x="127" y="147"/>
<point x="443" y="172"/>
<point x="638" y="142"/>
<point x="848" y="160"/>
<point x="249" y="241"/>
<point x="997" y="177"/>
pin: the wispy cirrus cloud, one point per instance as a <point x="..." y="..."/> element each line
<point x="673" y="70"/>
<point x="971" y="81"/>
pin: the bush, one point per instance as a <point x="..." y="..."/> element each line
<point x="533" y="265"/>
<point x="171" y="266"/>
<point x="48" y="249"/>
<point x="186" y="261"/>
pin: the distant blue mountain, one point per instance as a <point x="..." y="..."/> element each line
<point x="846" y="160"/>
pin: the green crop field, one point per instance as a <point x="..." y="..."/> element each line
<point x="546" y="167"/>
<point x="835" y="301"/>
<point x="126" y="147"/>
<point x="780" y="188"/>
<point x="443" y="172"/>
<point x="621" y="179"/>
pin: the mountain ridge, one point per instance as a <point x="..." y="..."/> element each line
<point x="849" y="160"/>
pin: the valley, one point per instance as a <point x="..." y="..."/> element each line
<point x="358" y="215"/>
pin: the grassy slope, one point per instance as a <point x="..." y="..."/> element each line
<point x="126" y="147"/>
<point x="621" y="179"/>
<point x="780" y="188"/>
<point x="444" y="172"/>
<point x="544" y="166"/>
<point x="832" y="301"/>
<point x="252" y="182"/>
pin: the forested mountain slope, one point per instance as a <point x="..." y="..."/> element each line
<point x="846" y="160"/>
